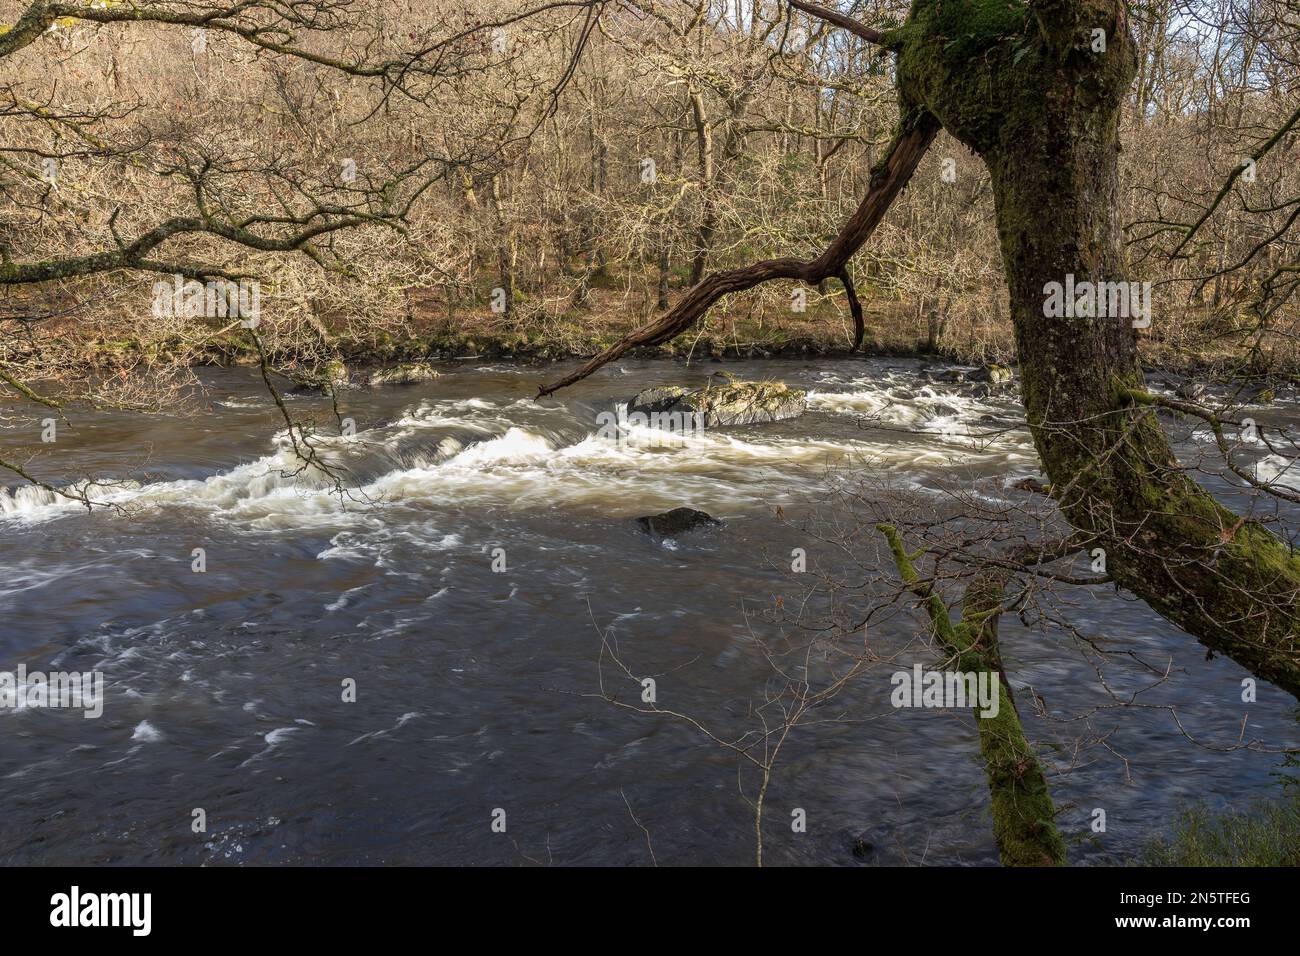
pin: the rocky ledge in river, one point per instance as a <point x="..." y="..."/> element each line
<point x="724" y="403"/>
<point x="983" y="382"/>
<point x="991" y="374"/>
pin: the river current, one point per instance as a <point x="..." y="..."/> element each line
<point x="461" y="587"/>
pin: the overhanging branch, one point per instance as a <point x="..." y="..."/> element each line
<point x="888" y="179"/>
<point x="840" y="20"/>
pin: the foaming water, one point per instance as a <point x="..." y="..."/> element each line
<point x="377" y="650"/>
<point x="516" y="450"/>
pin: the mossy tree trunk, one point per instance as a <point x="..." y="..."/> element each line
<point x="1031" y="89"/>
<point x="1024" y="817"/>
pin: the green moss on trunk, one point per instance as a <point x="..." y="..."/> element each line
<point x="1024" y="824"/>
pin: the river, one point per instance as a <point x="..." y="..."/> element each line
<point x="483" y="544"/>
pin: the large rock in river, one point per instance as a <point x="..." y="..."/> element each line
<point x="407" y="373"/>
<point x="676" y="521"/>
<point x="725" y="403"/>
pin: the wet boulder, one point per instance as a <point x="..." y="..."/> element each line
<point x="677" y="521"/>
<point x="657" y="399"/>
<point x="407" y="373"/>
<point x="724" y="403"/>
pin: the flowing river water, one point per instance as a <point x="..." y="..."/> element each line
<point x="477" y="688"/>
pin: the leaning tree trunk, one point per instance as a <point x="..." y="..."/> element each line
<point x="1033" y="92"/>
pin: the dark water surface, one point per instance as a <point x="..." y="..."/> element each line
<point x="479" y="689"/>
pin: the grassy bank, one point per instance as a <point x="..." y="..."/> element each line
<point x="1265" y="833"/>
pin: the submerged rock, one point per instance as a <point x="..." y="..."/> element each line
<point x="407" y="373"/>
<point x="677" y="521"/>
<point x="723" y="403"/>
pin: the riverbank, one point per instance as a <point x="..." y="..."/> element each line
<point x="742" y="331"/>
